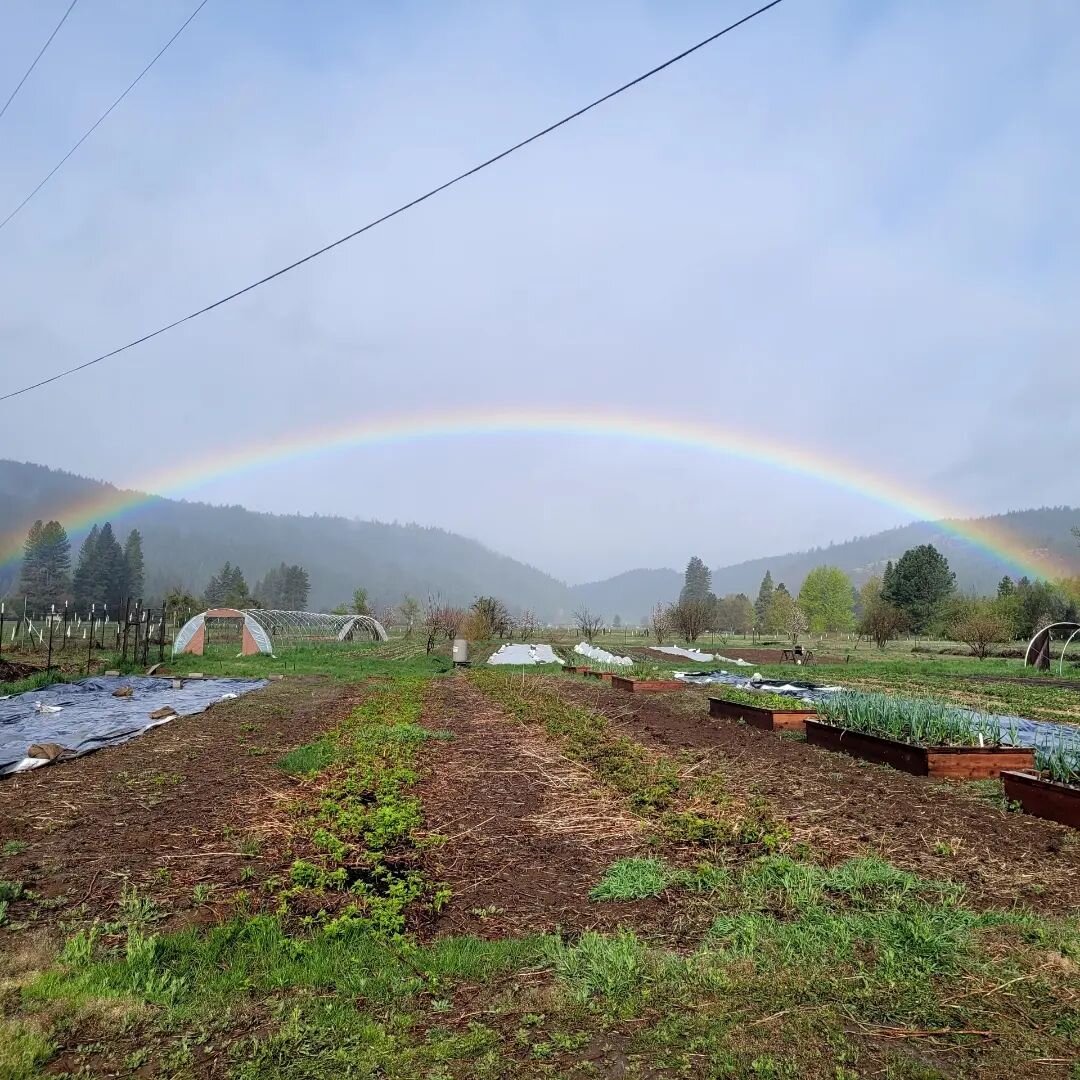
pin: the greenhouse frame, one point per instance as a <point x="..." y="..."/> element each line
<point x="262" y="629"/>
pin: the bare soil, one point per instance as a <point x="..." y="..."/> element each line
<point x="843" y="807"/>
<point x="528" y="831"/>
<point x="166" y="811"/>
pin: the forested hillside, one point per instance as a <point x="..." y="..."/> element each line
<point x="186" y="542"/>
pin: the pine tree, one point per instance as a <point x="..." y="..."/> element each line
<point x="133" y="564"/>
<point x="46" y="567"/>
<point x="764" y="599"/>
<point x="919" y="585"/>
<point x="83" y="583"/>
<point x="109" y="567"/>
<point x="697" y="583"/>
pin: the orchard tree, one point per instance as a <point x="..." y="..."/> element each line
<point x="660" y="623"/>
<point x="979" y="623"/>
<point x="409" y="609"/>
<point x="587" y="622"/>
<point x="691" y="616"/>
<point x="360" y="605"/>
<point x="919" y="584"/>
<point x="826" y="596"/>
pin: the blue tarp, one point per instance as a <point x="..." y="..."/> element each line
<point x="83" y="716"/>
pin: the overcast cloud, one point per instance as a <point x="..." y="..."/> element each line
<point x="853" y="225"/>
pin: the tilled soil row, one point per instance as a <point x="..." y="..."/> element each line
<point x="178" y="807"/>
<point x="528" y="832"/>
<point x="843" y="807"/>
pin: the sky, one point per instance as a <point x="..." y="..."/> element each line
<point x="850" y="226"/>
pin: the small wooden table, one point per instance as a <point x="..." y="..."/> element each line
<point x="790" y="655"/>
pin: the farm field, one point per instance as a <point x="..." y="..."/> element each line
<point x="377" y="866"/>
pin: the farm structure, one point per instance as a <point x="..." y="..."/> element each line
<point x="261" y="629"/>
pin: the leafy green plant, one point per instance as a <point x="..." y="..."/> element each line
<point x="632" y="879"/>
<point x="764" y="699"/>
<point x="13" y="847"/>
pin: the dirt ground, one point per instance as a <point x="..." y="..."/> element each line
<point x="165" y="812"/>
<point x="528" y="832"/>
<point x="843" y="807"/>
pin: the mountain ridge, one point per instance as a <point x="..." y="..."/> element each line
<point x="185" y="542"/>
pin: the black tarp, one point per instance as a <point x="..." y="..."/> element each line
<point x="87" y="715"/>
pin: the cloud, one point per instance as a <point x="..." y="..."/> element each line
<point x="857" y="232"/>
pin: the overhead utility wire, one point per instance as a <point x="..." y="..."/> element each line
<point x="40" y="54"/>
<point x="138" y="78"/>
<point x="393" y="213"/>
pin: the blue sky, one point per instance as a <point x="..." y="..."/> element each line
<point x="853" y="224"/>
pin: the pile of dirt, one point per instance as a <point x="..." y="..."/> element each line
<point x="14" y="671"/>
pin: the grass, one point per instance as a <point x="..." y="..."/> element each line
<point x="788" y="967"/>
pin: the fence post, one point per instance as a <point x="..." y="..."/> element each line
<point x="126" y="607"/>
<point x="48" y="663"/>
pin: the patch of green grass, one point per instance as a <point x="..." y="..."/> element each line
<point x="632" y="879"/>
<point x="310" y="759"/>
<point x="13" y="847"/>
<point x="22" y="1050"/>
<point x="762" y="699"/>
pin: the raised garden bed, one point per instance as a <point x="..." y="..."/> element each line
<point x="638" y="686"/>
<point x="1044" y="798"/>
<point x="769" y="719"/>
<point x="607" y="676"/>
<point x="944" y="762"/>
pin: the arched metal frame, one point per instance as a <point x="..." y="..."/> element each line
<point x="268" y="627"/>
<point x="1047" y="630"/>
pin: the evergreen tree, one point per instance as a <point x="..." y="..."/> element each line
<point x="46" y="567"/>
<point x="84" y="582"/>
<point x="227" y="588"/>
<point x="764" y="600"/>
<point x="697" y="583"/>
<point x="919" y="585"/>
<point x="109" y="570"/>
<point x="1005" y="587"/>
<point x="360" y="602"/>
<point x="133" y="565"/>
<point x="295" y="588"/>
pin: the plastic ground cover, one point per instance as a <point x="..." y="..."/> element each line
<point x="524" y="654"/>
<point x="602" y="656"/>
<point x="84" y="716"/>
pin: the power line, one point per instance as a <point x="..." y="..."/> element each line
<point x="393" y="213"/>
<point x="40" y="54"/>
<point x="90" y="131"/>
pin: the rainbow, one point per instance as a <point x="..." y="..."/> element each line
<point x="112" y="504"/>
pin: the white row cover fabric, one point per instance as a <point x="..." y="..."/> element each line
<point x="524" y="654"/>
<point x="602" y="656"/>
<point x="686" y="654"/>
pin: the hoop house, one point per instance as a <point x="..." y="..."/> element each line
<point x="262" y="629"/>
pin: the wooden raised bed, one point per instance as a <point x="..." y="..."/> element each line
<point x="944" y="762"/>
<point x="1043" y="798"/>
<point x="637" y="686"/>
<point x="575" y="669"/>
<point x="767" y="719"/>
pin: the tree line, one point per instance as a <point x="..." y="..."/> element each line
<point x="106" y="572"/>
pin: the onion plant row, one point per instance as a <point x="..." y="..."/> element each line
<point x="914" y="720"/>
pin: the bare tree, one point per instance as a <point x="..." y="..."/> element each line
<point x="691" y="617"/>
<point x="660" y="623"/>
<point x="451" y="620"/>
<point x="587" y="622"/>
<point x="881" y="621"/>
<point x="433" y="620"/>
<point x="981" y="626"/>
